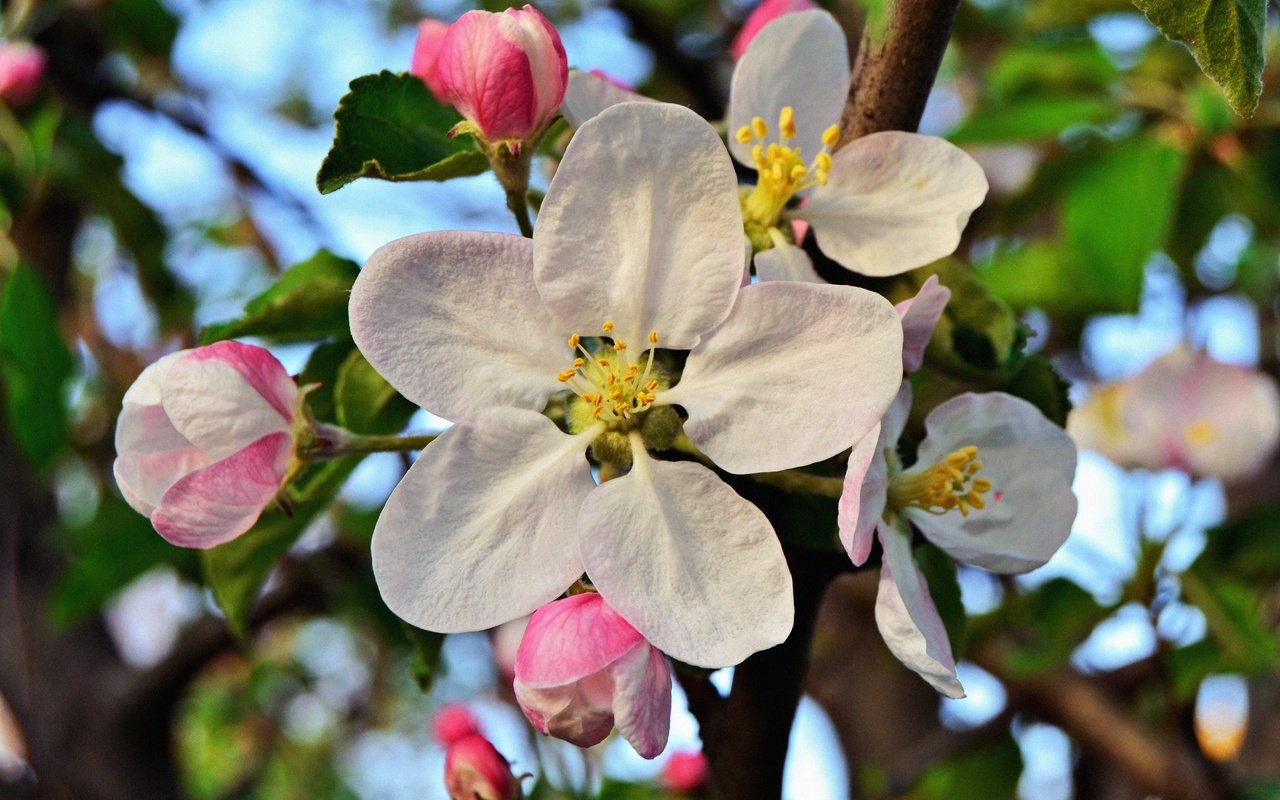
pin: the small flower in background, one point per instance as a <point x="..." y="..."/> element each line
<point x="504" y="72"/>
<point x="762" y="15"/>
<point x="880" y="205"/>
<point x="1185" y="411"/>
<point x="991" y="487"/>
<point x="582" y="670"/>
<point x="1222" y="716"/>
<point x="22" y="68"/>
<point x="473" y="767"/>
<point x="685" y="772"/>
<point x="205" y="440"/>
<point x="426" y="53"/>
<point x="501" y="513"/>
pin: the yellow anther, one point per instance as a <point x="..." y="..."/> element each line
<point x="616" y="394"/>
<point x="759" y="127"/>
<point x="566" y="376"/>
<point x="612" y="379"/>
<point x="948" y="484"/>
<point x="773" y="152"/>
<point x="619" y="346"/>
<point x="757" y="155"/>
<point x="578" y="363"/>
<point x="787" y="122"/>
<point x="650" y="386"/>
<point x="823" y="162"/>
<point x="607" y="327"/>
<point x="604" y="362"/>
<point x="798" y="172"/>
<point x="573" y="341"/>
<point x="831" y="135"/>
<point x="744" y="134"/>
<point x="597" y="411"/>
<point x="653" y="337"/>
<point x="981" y="485"/>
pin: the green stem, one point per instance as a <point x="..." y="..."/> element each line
<point x="792" y="480"/>
<point x="344" y="443"/>
<point x="518" y="202"/>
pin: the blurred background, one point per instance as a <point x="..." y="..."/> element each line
<point x="162" y="175"/>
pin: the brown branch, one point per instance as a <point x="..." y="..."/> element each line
<point x="892" y="77"/>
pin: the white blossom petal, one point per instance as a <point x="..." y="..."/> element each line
<point x="480" y="530"/>
<point x="894" y="201"/>
<point x="641" y="227"/>
<point x="797" y="373"/>
<point x="920" y="315"/>
<point x="452" y="320"/>
<point x="226" y="396"/>
<point x="786" y="262"/>
<point x="862" y="501"/>
<point x="689" y="563"/>
<point x="588" y="94"/>
<point x="799" y="60"/>
<point x="908" y="619"/>
<point x="1030" y="462"/>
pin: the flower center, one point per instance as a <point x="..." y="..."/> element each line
<point x="782" y="173"/>
<point x="951" y="483"/>
<point x="1200" y="433"/>
<point x="614" y="389"/>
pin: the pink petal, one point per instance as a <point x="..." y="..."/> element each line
<point x="218" y="503"/>
<point x="642" y="699"/>
<point x="763" y="14"/>
<point x="920" y="315"/>
<point x="475" y="770"/>
<point x="580" y="712"/>
<point x="261" y="370"/>
<point x="569" y="639"/>
<point x="866" y="484"/>
<point x="426" y="52"/>
<point x="454" y="722"/>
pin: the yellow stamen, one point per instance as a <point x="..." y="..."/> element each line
<point x="744" y="134"/>
<point x="949" y="484"/>
<point x="787" y="122"/>
<point x="831" y="135"/>
<point x="653" y="337"/>
<point x="607" y="327"/>
<point x="573" y="341"/>
<point x="759" y="127"/>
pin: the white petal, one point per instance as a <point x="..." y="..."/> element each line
<point x="799" y="60"/>
<point x="588" y="94"/>
<point x="641" y="227"/>
<point x="909" y="621"/>
<point x="866" y="486"/>
<point x="920" y="315"/>
<point x="894" y="201"/>
<point x="1030" y="463"/>
<point x="480" y="530"/>
<point x="786" y="262"/>
<point x="226" y="396"/>
<point x="693" y="566"/>
<point x="796" y="374"/>
<point x="453" y="321"/>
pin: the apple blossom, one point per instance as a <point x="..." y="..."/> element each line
<point x="205" y="440"/>
<point x="685" y="772"/>
<point x="582" y="669"/>
<point x="505" y="72"/>
<point x="475" y="770"/>
<point x="453" y="722"/>
<point x="22" y="68"/>
<point x="879" y="205"/>
<point x="1185" y="411"/>
<point x="638" y="245"/>
<point x="426" y="54"/>
<point x="762" y="15"/>
<point x="991" y="487"/>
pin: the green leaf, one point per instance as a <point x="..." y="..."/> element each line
<point x="978" y="333"/>
<point x="940" y="573"/>
<point x="986" y="772"/>
<point x="34" y="365"/>
<point x="322" y="370"/>
<point x="365" y="402"/>
<point x="236" y="571"/>
<point x="1247" y="548"/>
<point x="427" y="663"/>
<point x="1053" y="620"/>
<point x="390" y="127"/>
<point x="1227" y="38"/>
<point x="1037" y="382"/>
<point x="308" y="302"/>
<point x="1032" y="119"/>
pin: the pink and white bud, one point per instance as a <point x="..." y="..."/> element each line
<point x="475" y="770"/>
<point x="204" y="441"/>
<point x="582" y="669"/>
<point x="454" y="722"/>
<point x="21" y="70"/>
<point x="426" y="55"/>
<point x="685" y="772"/>
<point x="505" y="72"/>
<point x="763" y="14"/>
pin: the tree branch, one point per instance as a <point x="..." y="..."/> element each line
<point x="892" y="78"/>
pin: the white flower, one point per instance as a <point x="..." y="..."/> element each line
<point x="639" y="242"/>
<point x="991" y="487"/>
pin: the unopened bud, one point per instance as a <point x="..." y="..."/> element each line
<point x="475" y="770"/>
<point x="21" y="71"/>
<point x="763" y="14"/>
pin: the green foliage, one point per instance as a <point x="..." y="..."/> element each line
<point x="34" y="365"/>
<point x="986" y="772"/>
<point x="308" y="302"/>
<point x="1227" y="37"/>
<point x="427" y="663"/>
<point x="390" y="127"/>
<point x="944" y="587"/>
<point x="1052" y="620"/>
<point x="1036" y="118"/>
<point x="365" y="402"/>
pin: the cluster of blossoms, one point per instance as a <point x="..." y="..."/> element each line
<point x="1185" y="411"/>
<point x="600" y="372"/>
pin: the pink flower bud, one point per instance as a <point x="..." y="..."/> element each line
<point x="204" y="441"/>
<point x="685" y="772"/>
<point x="505" y="73"/>
<point x="475" y="770"/>
<point x="763" y="14"/>
<point x="426" y="52"/>
<point x="21" y="70"/>
<point x="581" y="669"/>
<point x="454" y="722"/>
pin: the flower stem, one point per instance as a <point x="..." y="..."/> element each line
<point x="792" y="480"/>
<point x="518" y="202"/>
<point x="334" y="442"/>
